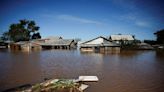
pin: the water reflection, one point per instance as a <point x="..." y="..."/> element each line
<point x="160" y="54"/>
<point x="129" y="71"/>
<point x="58" y="63"/>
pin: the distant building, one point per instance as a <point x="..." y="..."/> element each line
<point x="122" y="38"/>
<point x="3" y="44"/>
<point x="145" y="46"/>
<point x="100" y="44"/>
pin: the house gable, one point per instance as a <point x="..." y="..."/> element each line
<point x="98" y="40"/>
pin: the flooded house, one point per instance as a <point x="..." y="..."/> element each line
<point x="25" y="46"/>
<point x="58" y="43"/>
<point x="145" y="46"/>
<point x="47" y="43"/>
<point x="3" y="45"/>
<point x="22" y="45"/>
<point x="126" y="39"/>
<point x="100" y="44"/>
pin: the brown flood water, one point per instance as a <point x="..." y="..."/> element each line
<point x="129" y="71"/>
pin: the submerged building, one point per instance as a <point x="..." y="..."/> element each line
<point x="100" y="44"/>
<point x="25" y="46"/>
<point x="47" y="43"/>
<point x="119" y="38"/>
<point x="58" y="43"/>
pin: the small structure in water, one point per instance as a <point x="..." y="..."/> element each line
<point x="100" y="44"/>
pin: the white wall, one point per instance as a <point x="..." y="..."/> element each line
<point x="96" y="41"/>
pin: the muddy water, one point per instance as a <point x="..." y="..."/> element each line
<point x="129" y="71"/>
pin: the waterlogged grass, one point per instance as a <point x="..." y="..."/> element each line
<point x="61" y="85"/>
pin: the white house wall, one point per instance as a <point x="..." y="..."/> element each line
<point x="96" y="41"/>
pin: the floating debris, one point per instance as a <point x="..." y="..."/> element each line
<point x="59" y="85"/>
<point x="88" y="78"/>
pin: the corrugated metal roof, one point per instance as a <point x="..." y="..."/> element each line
<point x="54" y="37"/>
<point x="22" y="42"/>
<point x="121" y="37"/>
<point x="58" y="42"/>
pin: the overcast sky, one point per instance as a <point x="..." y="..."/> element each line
<point x="86" y="19"/>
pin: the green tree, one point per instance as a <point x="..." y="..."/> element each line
<point x="160" y="36"/>
<point x="5" y="36"/>
<point x="22" y="31"/>
<point x="36" y="36"/>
